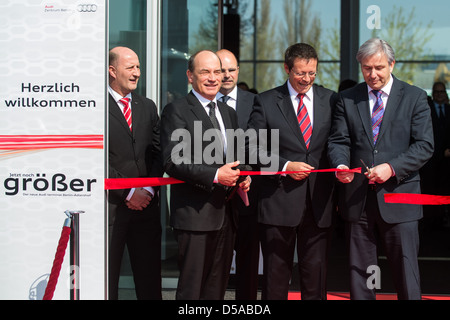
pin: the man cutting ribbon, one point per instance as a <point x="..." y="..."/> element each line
<point x="296" y="208"/>
<point x="386" y="124"/>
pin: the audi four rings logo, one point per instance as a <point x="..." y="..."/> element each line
<point x="87" y="7"/>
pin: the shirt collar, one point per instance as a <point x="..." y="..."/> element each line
<point x="202" y="99"/>
<point x="387" y="88"/>
<point x="117" y="96"/>
<point x="294" y="93"/>
<point x="232" y="94"/>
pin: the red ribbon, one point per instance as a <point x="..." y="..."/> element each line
<point x="268" y="173"/>
<point x="123" y="183"/>
<point x="412" y="198"/>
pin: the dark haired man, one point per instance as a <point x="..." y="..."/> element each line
<point x="296" y="208"/>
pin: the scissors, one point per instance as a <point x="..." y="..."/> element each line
<point x="367" y="168"/>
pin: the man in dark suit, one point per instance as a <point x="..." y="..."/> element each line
<point x="296" y="208"/>
<point x="386" y="123"/>
<point x="247" y="240"/>
<point x="435" y="174"/>
<point x="204" y="221"/>
<point x="134" y="151"/>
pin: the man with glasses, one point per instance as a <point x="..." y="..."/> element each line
<point x="296" y="208"/>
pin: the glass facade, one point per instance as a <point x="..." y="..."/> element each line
<point x="259" y="31"/>
<point x="268" y="27"/>
<point x="418" y="32"/>
<point x="128" y="28"/>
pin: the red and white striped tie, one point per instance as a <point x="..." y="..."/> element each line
<point x="127" y="111"/>
<point x="303" y="121"/>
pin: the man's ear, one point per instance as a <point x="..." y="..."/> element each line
<point x="189" y="76"/>
<point x="112" y="72"/>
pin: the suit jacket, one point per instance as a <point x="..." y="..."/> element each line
<point x="405" y="142"/>
<point x="198" y="204"/>
<point x="435" y="174"/>
<point x="244" y="105"/>
<point x="133" y="154"/>
<point x="282" y="198"/>
<point x="441" y="130"/>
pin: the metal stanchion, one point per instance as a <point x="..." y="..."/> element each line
<point x="75" y="253"/>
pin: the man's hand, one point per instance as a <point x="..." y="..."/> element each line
<point x="345" y="177"/>
<point x="299" y="166"/>
<point x="380" y="173"/>
<point x="447" y="153"/>
<point x="139" y="200"/>
<point x="227" y="176"/>
<point x="245" y="185"/>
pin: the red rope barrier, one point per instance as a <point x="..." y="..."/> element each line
<point x="59" y="258"/>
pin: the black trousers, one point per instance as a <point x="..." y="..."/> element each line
<point x="204" y="260"/>
<point x="140" y="231"/>
<point x="400" y="243"/>
<point x="247" y="257"/>
<point x="278" y="246"/>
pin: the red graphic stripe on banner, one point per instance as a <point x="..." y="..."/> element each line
<point x="122" y="183"/>
<point x="24" y="142"/>
<point x="412" y="198"/>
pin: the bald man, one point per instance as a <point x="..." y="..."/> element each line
<point x="204" y="222"/>
<point x="134" y="152"/>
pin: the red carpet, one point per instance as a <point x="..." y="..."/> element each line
<point x="381" y="296"/>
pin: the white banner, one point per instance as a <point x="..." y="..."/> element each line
<point x="52" y="120"/>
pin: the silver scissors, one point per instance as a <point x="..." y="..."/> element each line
<point x="367" y="168"/>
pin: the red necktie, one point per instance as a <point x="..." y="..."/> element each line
<point x="303" y="121"/>
<point x="127" y="111"/>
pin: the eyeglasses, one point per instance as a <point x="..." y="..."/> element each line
<point x="302" y="75"/>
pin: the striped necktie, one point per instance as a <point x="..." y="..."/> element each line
<point x="303" y="121"/>
<point x="377" y="115"/>
<point x="127" y="111"/>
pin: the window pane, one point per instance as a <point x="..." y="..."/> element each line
<point x="417" y="31"/>
<point x="279" y="24"/>
<point x="130" y="32"/>
<point x="187" y="26"/>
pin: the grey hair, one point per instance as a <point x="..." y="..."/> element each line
<point x="374" y="46"/>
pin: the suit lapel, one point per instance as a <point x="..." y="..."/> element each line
<point x="242" y="104"/>
<point x="225" y="115"/>
<point x="136" y="112"/>
<point x="201" y="115"/>
<point x="394" y="100"/>
<point x="199" y="112"/>
<point x="318" y="105"/>
<point x="363" y="106"/>
<point x="287" y="109"/>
